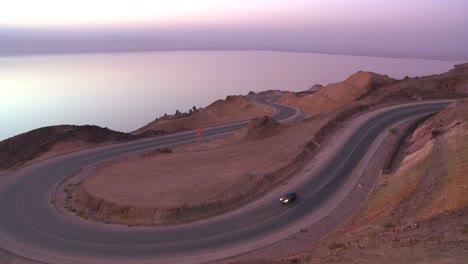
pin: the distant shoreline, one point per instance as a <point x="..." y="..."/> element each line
<point x="98" y="51"/>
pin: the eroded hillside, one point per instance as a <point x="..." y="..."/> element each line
<point x="54" y="140"/>
<point x="232" y="109"/>
<point x="369" y="88"/>
<point x="336" y="95"/>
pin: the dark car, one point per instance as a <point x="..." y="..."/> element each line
<point x="288" y="198"/>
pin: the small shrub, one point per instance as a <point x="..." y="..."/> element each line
<point x="165" y="150"/>
<point x="106" y="222"/>
<point x="66" y="190"/>
<point x="295" y="260"/>
<point x="393" y="131"/>
<point x="464" y="230"/>
<point x="69" y="196"/>
<point x="349" y="197"/>
<point x="334" y="246"/>
<point x="81" y="214"/>
<point x="389" y="225"/>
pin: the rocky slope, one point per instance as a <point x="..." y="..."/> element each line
<point x="259" y="128"/>
<point x="336" y="95"/>
<point x="452" y="84"/>
<point x="232" y="109"/>
<point x="55" y="140"/>
<point x="370" y="88"/>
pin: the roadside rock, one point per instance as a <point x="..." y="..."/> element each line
<point x="260" y="128"/>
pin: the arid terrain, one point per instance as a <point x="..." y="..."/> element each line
<point x="47" y="142"/>
<point x="417" y="213"/>
<point x="414" y="211"/>
<point x="214" y="176"/>
<point x="232" y="109"/>
<point x="52" y="141"/>
<point x="252" y="162"/>
<point x="368" y="88"/>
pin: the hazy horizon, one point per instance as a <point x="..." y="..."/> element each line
<point x="431" y="30"/>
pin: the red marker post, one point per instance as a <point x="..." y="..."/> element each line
<point x="199" y="132"/>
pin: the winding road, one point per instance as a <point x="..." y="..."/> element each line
<point x="31" y="227"/>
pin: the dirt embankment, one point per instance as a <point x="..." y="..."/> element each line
<point x="452" y="84"/>
<point x="232" y="109"/>
<point x="146" y="190"/>
<point x="259" y="128"/>
<point x="336" y="95"/>
<point x="52" y="141"/>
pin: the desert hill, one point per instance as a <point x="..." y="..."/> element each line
<point x="452" y="84"/>
<point x="232" y="109"/>
<point x="372" y="88"/>
<point x="54" y="140"/>
<point x="336" y="95"/>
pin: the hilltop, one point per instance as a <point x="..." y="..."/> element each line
<point x="47" y="142"/>
<point x="336" y="95"/>
<point x="52" y="141"/>
<point x="367" y="88"/>
<point x="232" y="109"/>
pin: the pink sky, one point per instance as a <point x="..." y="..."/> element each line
<point x="430" y="28"/>
<point x="32" y="13"/>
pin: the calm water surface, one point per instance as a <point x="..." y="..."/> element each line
<point x="125" y="91"/>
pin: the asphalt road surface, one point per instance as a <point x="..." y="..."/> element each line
<point x="31" y="227"/>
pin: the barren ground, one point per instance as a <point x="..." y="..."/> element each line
<point x="232" y="109"/>
<point x="214" y="176"/>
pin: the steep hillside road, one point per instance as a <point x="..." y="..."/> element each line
<point x="418" y="213"/>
